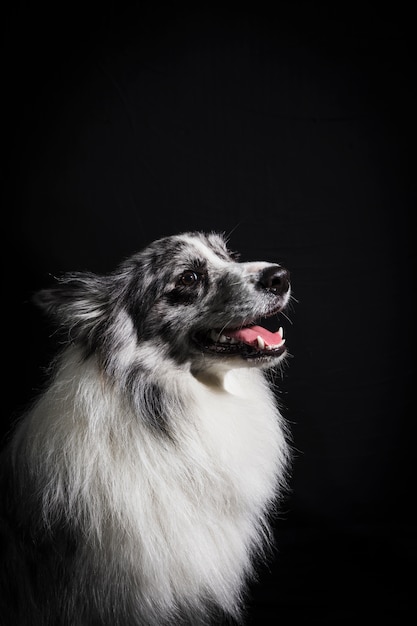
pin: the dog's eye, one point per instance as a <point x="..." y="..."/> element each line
<point x="189" y="278"/>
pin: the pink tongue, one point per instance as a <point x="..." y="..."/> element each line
<point x="248" y="335"/>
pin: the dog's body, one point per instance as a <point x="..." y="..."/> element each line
<point x="140" y="483"/>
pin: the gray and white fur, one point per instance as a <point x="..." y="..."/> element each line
<point x="139" y="486"/>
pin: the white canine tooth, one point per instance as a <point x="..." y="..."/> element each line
<point x="223" y="339"/>
<point x="261" y="342"/>
<point x="281" y="332"/>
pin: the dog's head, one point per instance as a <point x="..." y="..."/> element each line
<point x="184" y="296"/>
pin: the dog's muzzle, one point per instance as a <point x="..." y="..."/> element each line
<point x="251" y="340"/>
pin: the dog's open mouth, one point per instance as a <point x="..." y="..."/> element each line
<point x="253" y="341"/>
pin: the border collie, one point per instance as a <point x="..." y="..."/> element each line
<point x="140" y="484"/>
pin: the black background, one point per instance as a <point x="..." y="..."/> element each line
<point x="291" y="127"/>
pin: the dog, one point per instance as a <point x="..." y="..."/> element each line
<point x="139" y="486"/>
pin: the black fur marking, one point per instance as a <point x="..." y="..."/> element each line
<point x="138" y="303"/>
<point x="182" y="295"/>
<point x="153" y="402"/>
<point x="154" y="409"/>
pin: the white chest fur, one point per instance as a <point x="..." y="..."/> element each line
<point x="174" y="519"/>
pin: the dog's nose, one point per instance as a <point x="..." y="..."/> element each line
<point x="276" y="279"/>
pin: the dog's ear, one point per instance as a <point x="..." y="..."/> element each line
<point x="79" y="301"/>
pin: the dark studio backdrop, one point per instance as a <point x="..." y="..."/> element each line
<point x="293" y="130"/>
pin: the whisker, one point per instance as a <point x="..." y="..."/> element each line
<point x="286" y="317"/>
<point x="230" y="233"/>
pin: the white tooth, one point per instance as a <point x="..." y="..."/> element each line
<point x="261" y="342"/>
<point x="222" y="339"/>
<point x="281" y="332"/>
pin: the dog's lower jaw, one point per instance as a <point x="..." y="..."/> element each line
<point x="212" y="369"/>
